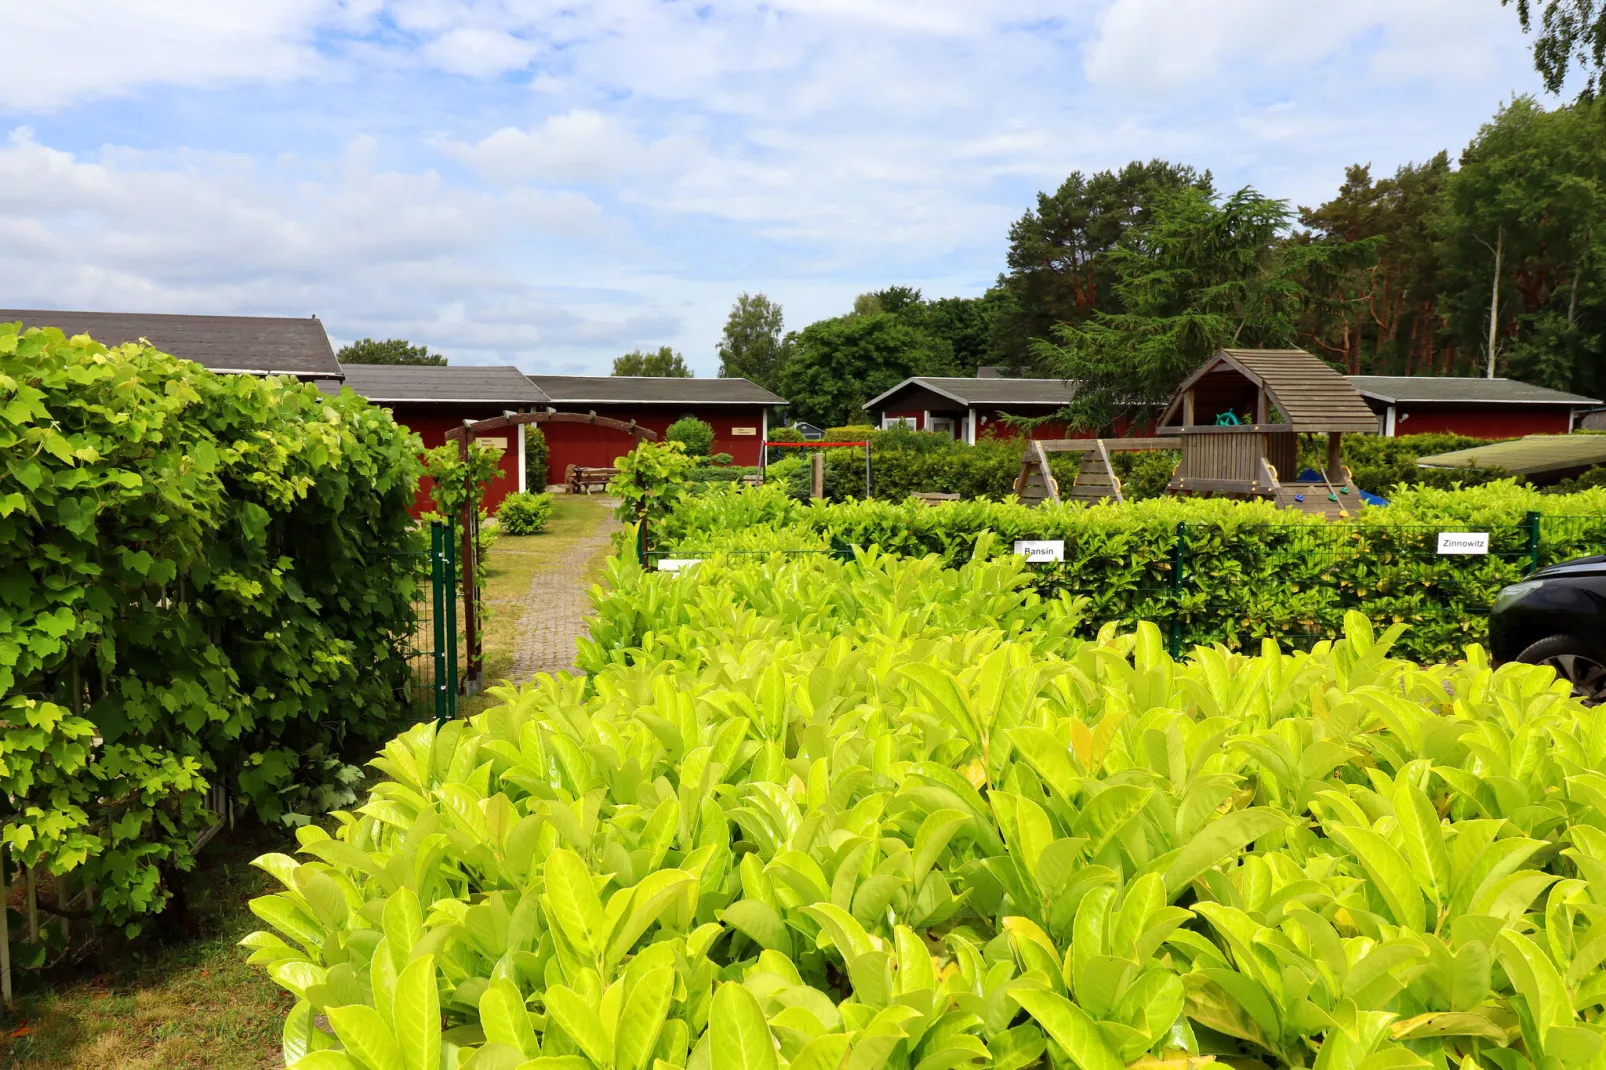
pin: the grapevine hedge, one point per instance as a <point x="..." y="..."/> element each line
<point x="885" y="813"/>
<point x="202" y="581"/>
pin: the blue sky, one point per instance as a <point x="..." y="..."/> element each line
<point x="553" y="183"/>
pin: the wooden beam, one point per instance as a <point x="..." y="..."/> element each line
<point x="497" y="423"/>
<point x="1335" y="457"/>
<point x="1113" y="445"/>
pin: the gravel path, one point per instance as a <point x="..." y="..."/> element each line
<point x="556" y="604"/>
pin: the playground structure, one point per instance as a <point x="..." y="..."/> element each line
<point x="1237" y="422"/>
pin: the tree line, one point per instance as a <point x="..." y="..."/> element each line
<point x="1125" y="280"/>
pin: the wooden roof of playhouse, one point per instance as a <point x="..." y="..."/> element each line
<point x="1249" y="383"/>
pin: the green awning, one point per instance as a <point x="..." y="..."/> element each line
<point x="1536" y="455"/>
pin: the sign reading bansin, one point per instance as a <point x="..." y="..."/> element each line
<point x="1041" y="551"/>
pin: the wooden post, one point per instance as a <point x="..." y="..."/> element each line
<point x="5" y="935"/>
<point x="466" y="568"/>
<point x="1335" y="457"/>
<point x="817" y="476"/>
<point x="1187" y="409"/>
<point x="1262" y="410"/>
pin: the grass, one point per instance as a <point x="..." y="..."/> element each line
<point x="163" y="1003"/>
<point x="193" y="1003"/>
<point x="512" y="564"/>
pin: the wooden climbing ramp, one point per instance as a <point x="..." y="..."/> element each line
<point x="1096" y="480"/>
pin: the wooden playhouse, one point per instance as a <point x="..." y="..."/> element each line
<point x="1237" y="422"/>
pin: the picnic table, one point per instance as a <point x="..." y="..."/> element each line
<point x="582" y="480"/>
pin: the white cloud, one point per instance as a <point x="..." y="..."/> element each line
<point x="62" y="51"/>
<point x="371" y="251"/>
<point x="582" y="145"/>
<point x="558" y="180"/>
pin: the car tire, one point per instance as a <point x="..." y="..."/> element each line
<point x="1578" y="662"/>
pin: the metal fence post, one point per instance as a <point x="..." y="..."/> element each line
<point x="437" y="575"/>
<point x="5" y="934"/>
<point x="641" y="541"/>
<point x="449" y="566"/>
<point x="1534" y="520"/>
<point x="1180" y="560"/>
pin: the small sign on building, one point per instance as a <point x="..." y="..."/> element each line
<point x="1040" y="551"/>
<point x="498" y="443"/>
<point x="744" y="432"/>
<point x="1463" y="542"/>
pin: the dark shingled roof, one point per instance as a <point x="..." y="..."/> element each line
<point x="394" y="384"/>
<point x="1311" y="395"/>
<point x="252" y="345"/>
<point x="651" y="390"/>
<point x="1393" y="389"/>
<point x="1038" y="392"/>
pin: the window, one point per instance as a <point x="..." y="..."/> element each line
<point x="911" y="422"/>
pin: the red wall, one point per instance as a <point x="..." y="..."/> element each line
<point x="432" y="424"/>
<point x="595" y="446"/>
<point x="1484" y="421"/>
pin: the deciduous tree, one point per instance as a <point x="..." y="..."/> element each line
<point x="754" y="344"/>
<point x="390" y="351"/>
<point x="665" y="363"/>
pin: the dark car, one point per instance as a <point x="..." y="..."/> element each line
<point x="1557" y="617"/>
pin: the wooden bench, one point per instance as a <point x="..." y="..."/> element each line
<point x="581" y="480"/>
<point x="932" y="497"/>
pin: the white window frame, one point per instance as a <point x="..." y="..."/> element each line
<point x="911" y="422"/>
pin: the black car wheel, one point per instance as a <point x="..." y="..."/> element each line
<point x="1575" y="661"/>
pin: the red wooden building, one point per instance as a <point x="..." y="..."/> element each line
<point x="968" y="409"/>
<point x="433" y="400"/>
<point x="1480" y="408"/>
<point x="737" y="409"/>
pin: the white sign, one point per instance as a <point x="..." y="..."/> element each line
<point x="498" y="443"/>
<point x="1040" y="550"/>
<point x="675" y="564"/>
<point x="1463" y="542"/>
<point x="741" y="431"/>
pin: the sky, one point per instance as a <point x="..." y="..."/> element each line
<point x="550" y="184"/>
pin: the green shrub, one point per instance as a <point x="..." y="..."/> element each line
<point x="692" y="433"/>
<point x="208" y="580"/>
<point x="523" y="513"/>
<point x="536" y="456"/>
<point x="786" y="434"/>
<point x="1380" y="464"/>
<point x="1250" y="570"/>
<point x="852" y="433"/>
<point x="882" y="813"/>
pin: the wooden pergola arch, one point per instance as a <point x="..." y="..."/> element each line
<point x="468" y="521"/>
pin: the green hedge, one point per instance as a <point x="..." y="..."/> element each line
<point x="882" y="815"/>
<point x="203" y="580"/>
<point x="1249" y="570"/>
<point x="905" y="462"/>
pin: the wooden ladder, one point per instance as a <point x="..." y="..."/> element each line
<point x="1035" y="484"/>
<point x="1096" y="480"/>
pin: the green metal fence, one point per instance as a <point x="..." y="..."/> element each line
<point x="429" y="635"/>
<point x="1295" y="582"/>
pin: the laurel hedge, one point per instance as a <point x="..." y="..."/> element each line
<point x="851" y="815"/>
<point x="1247" y="569"/>
<point x="204" y="580"/>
